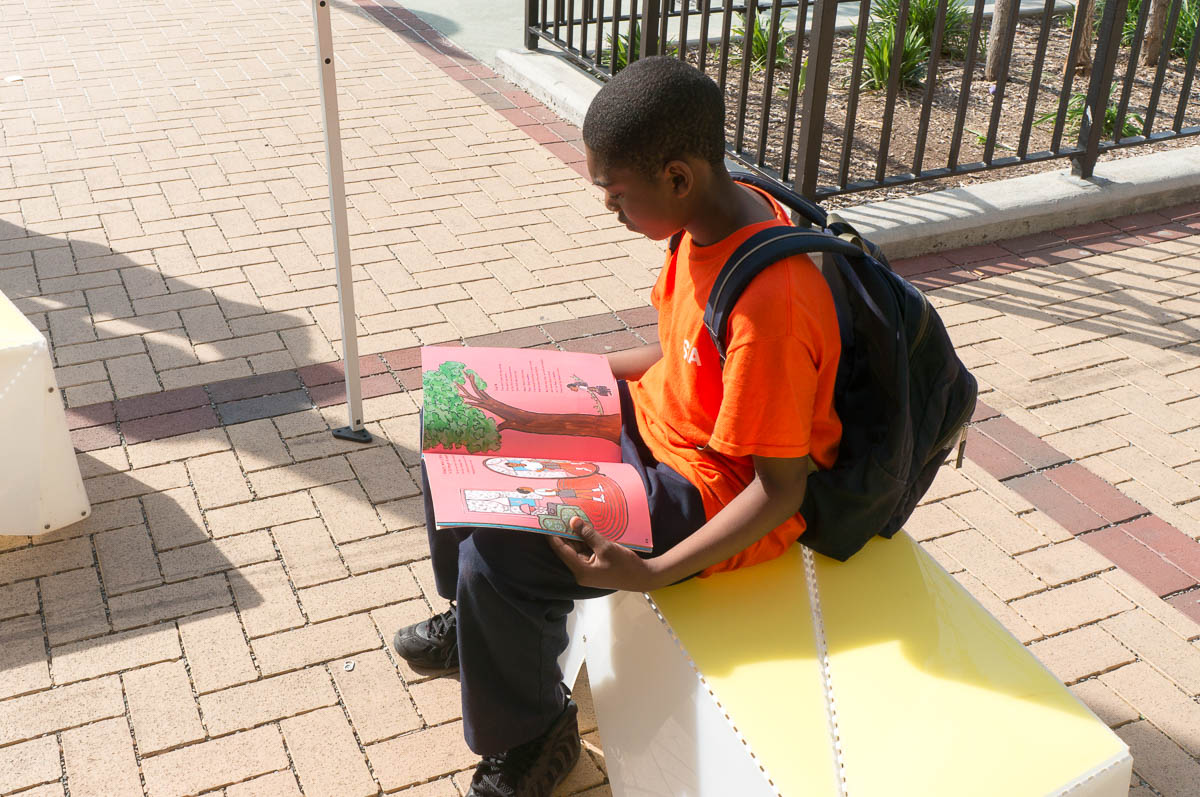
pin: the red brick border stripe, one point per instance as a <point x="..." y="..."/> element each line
<point x="1151" y="550"/>
<point x="1156" y="553"/>
<point x="183" y="410"/>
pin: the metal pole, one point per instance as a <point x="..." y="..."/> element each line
<point x="1091" y="128"/>
<point x="531" y="19"/>
<point x="648" y="45"/>
<point x="341" y="234"/>
<point x="816" y="91"/>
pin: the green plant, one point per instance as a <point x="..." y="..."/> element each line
<point x="1128" y="25"/>
<point x="922" y="14"/>
<point x="784" y="87"/>
<point x="1185" y="28"/>
<point x="627" y="45"/>
<point x="877" y="57"/>
<point x="760" y="41"/>
<point x="981" y="139"/>
<point x="1130" y="126"/>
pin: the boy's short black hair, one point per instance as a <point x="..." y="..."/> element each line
<point x="656" y="110"/>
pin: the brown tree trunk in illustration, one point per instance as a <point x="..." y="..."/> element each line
<point x="1085" y="15"/>
<point x="606" y="427"/>
<point x="1152" y="42"/>
<point x="998" y="45"/>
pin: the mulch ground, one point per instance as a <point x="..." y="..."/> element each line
<point x="868" y="120"/>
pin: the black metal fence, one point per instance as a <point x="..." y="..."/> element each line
<point x="895" y="91"/>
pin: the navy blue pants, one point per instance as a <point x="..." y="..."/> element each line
<point x="514" y="594"/>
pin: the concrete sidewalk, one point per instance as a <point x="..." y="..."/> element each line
<point x="163" y="219"/>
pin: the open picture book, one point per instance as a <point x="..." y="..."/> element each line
<point x="528" y="439"/>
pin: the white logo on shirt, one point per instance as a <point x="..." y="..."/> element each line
<point x="690" y="353"/>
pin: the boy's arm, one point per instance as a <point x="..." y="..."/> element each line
<point x="775" y="495"/>
<point x="632" y="363"/>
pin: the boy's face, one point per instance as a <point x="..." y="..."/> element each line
<point x="652" y="206"/>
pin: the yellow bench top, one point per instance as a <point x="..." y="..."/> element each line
<point x="931" y="695"/>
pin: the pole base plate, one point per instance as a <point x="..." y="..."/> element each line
<point x="349" y="433"/>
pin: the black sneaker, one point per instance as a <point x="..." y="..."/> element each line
<point x="535" y="768"/>
<point x="432" y="643"/>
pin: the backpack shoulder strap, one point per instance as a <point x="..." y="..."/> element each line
<point x="757" y="253"/>
<point x="811" y="212"/>
<point x="808" y="211"/>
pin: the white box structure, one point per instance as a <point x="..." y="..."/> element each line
<point x="879" y="677"/>
<point x="40" y="485"/>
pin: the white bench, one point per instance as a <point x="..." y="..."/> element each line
<point x="880" y="677"/>
<point x="40" y="484"/>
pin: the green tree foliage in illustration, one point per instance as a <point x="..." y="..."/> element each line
<point x="459" y="413"/>
<point x="451" y="422"/>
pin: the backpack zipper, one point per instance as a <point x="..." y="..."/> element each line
<point x="959" y="424"/>
<point x="922" y="327"/>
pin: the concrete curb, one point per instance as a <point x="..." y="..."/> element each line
<point x="551" y="80"/>
<point x="949" y="219"/>
<point x="1034" y="203"/>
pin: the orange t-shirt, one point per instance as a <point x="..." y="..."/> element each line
<point x="774" y="397"/>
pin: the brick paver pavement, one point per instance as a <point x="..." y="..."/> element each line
<point x="165" y="205"/>
<point x="162" y="218"/>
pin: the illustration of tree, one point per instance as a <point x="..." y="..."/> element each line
<point x="455" y="400"/>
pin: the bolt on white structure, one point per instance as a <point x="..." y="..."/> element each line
<point x="354" y="430"/>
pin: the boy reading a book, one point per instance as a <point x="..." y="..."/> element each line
<point x="724" y="450"/>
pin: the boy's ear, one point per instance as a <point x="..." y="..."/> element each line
<point x="681" y="177"/>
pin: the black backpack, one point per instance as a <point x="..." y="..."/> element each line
<point x="902" y="394"/>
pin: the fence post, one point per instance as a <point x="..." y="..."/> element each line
<point x="816" y="92"/>
<point x="531" y="19"/>
<point x="649" y="36"/>
<point x="1091" y="127"/>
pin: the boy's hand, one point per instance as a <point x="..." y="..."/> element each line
<point x="597" y="562"/>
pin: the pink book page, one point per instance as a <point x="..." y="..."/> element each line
<point x="520" y="402"/>
<point x="540" y="495"/>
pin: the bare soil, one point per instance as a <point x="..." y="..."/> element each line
<point x="906" y="122"/>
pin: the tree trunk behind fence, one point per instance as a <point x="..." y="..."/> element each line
<point x="1085" y="14"/>
<point x="1155" y="25"/>
<point x="997" y="44"/>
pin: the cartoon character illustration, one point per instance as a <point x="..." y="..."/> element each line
<point x="526" y="468"/>
<point x="579" y="384"/>
<point x="505" y="502"/>
<point x="594" y="498"/>
<point x="594" y="392"/>
<point x="594" y="494"/>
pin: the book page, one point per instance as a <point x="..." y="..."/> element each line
<point x="540" y="495"/>
<point x="520" y="402"/>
